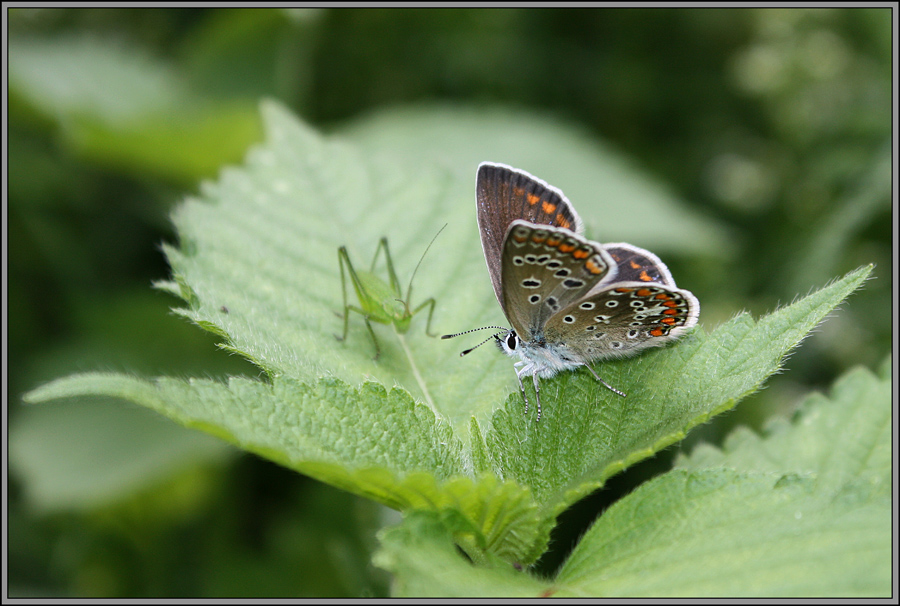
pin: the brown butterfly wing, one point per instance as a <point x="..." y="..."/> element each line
<point x="623" y="319"/>
<point x="505" y="194"/>
<point x="638" y="265"/>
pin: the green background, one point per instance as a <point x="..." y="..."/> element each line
<point x="772" y="126"/>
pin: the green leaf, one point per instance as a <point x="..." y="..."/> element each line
<point x="419" y="428"/>
<point x="420" y="554"/>
<point x="73" y="76"/>
<point x="803" y="511"/>
<point x="843" y="440"/>
<point x="288" y="421"/>
<point x="183" y="146"/>
<point x="117" y="105"/>
<point x="783" y="517"/>
<point x="130" y="449"/>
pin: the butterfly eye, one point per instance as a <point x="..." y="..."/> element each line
<point x="511" y="341"/>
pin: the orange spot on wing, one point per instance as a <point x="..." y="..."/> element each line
<point x="644" y="277"/>
<point x="644" y="292"/>
<point x="593" y="267"/>
<point x="566" y="248"/>
<point x="635" y="265"/>
<point x="532" y="199"/>
<point x="657" y="332"/>
<point x="663" y="296"/>
<point x="581" y="253"/>
<point x="668" y="321"/>
<point x="624" y="289"/>
<point x="518" y="192"/>
<point x="671" y="312"/>
<point x="562" y="222"/>
<point x="553" y="241"/>
<point x="548" y="207"/>
<point x="519" y="237"/>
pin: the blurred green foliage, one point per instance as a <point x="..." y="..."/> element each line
<point x="774" y="122"/>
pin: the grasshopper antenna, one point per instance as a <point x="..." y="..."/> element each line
<point x="409" y="288"/>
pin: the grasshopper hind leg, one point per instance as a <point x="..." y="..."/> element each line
<point x="343" y="258"/>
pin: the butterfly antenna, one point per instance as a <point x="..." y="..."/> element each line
<point x="493" y="336"/>
<point x="465" y="332"/>
<point x="422" y="258"/>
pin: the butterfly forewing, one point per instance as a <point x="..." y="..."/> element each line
<point x="505" y="194"/>
<point x="623" y="319"/>
<point x="545" y="269"/>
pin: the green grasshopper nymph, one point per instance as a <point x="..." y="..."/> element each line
<point x="380" y="301"/>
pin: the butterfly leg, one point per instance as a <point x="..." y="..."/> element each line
<point x="608" y="386"/>
<point x="537" y="389"/>
<point x="537" y="396"/>
<point x="521" y="387"/>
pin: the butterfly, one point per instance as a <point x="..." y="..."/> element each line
<point x="570" y="301"/>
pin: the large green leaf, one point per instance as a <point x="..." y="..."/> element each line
<point x="418" y="428"/>
<point x="803" y="511"/>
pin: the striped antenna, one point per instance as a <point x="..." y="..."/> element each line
<point x="493" y="336"/>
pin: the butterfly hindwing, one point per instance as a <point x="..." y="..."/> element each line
<point x="638" y="265"/>
<point x="622" y="319"/>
